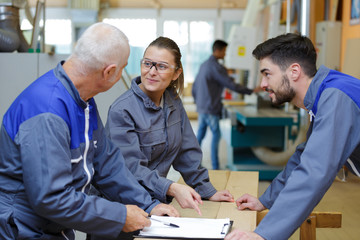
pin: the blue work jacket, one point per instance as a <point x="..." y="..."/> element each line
<point x="153" y="139"/>
<point x="333" y="140"/>
<point x="52" y="147"/>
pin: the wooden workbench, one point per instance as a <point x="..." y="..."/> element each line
<point x="238" y="183"/>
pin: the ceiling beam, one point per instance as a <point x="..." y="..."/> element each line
<point x="229" y="4"/>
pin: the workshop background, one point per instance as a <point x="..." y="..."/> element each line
<point x="35" y="35"/>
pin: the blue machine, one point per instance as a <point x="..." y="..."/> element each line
<point x="248" y="126"/>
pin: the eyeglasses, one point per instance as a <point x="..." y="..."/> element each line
<point x="160" y="67"/>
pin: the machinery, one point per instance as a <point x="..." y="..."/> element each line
<point x="11" y="36"/>
<point x="258" y="139"/>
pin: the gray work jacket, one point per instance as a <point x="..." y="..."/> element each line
<point x="152" y="139"/>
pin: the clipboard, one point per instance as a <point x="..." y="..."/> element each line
<point x="189" y="228"/>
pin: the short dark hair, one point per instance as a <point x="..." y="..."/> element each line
<point x="286" y="49"/>
<point x="219" y="45"/>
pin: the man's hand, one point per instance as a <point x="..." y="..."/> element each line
<point x="185" y="196"/>
<point x="247" y="201"/>
<point x="165" y="209"/>
<point x="222" y="196"/>
<point x="258" y="89"/>
<point x="135" y="219"/>
<point x="242" y="235"/>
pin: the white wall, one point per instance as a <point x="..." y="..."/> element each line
<point x="18" y="70"/>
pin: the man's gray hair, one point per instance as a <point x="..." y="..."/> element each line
<point x="99" y="46"/>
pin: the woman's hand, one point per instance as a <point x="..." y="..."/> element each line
<point x="185" y="196"/>
<point x="222" y="196"/>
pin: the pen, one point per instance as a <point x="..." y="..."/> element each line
<point x="165" y="223"/>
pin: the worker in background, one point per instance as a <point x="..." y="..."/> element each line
<point x="53" y="146"/>
<point x="150" y="125"/>
<point x="289" y="74"/>
<point x="207" y="91"/>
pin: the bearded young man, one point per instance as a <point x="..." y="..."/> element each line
<point x="332" y="99"/>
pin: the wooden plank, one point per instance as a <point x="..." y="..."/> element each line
<point x="308" y="229"/>
<point x="244" y="220"/>
<point x="218" y="178"/>
<point x="327" y="219"/>
<point x="208" y="209"/>
<point x="323" y="219"/>
<point x="239" y="183"/>
<point x="260" y="216"/>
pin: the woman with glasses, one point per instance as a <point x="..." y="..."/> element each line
<point x="150" y="125"/>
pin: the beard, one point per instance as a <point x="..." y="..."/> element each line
<point x="285" y="93"/>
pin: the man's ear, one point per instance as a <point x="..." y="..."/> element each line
<point x="109" y="71"/>
<point x="294" y="71"/>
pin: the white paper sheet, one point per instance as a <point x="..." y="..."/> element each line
<point x="188" y="228"/>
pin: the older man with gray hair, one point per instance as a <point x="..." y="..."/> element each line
<point x="53" y="147"/>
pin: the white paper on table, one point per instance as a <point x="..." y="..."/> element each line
<point x="188" y="228"/>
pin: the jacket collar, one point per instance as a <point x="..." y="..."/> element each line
<point x="148" y="103"/>
<point x="60" y="73"/>
<point x="311" y="93"/>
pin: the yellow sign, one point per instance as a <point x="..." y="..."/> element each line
<point x="241" y="51"/>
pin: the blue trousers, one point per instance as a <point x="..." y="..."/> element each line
<point x="211" y="121"/>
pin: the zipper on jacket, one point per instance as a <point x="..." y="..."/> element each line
<point x="352" y="165"/>
<point x="312" y="115"/>
<point x="87" y="118"/>
<point x="64" y="235"/>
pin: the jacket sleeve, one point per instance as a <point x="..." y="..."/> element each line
<point x="334" y="136"/>
<point x="220" y="75"/>
<point x="188" y="161"/>
<point x="193" y="90"/>
<point x="44" y="143"/>
<point x="121" y="130"/>
<point x="278" y="183"/>
<point x="114" y="179"/>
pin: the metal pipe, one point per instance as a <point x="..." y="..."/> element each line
<point x="288" y="15"/>
<point x="305" y="17"/>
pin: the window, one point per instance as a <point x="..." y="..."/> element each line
<point x="194" y="39"/>
<point x="201" y="40"/>
<point x="140" y="32"/>
<point x="194" y="30"/>
<point x="57" y="34"/>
